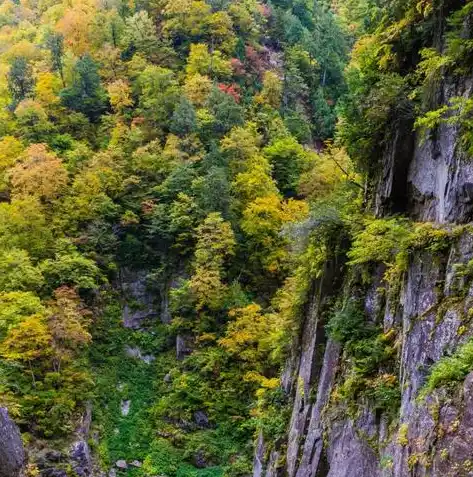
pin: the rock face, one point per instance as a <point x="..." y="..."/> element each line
<point x="12" y="453"/>
<point x="139" y="307"/>
<point x="81" y="459"/>
<point x="440" y="176"/>
<point x="428" y="180"/>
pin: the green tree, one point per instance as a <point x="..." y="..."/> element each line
<point x="226" y="113"/>
<point x="20" y="80"/>
<point x="288" y="159"/>
<point x="140" y="33"/>
<point x="55" y="44"/>
<point x="23" y="225"/>
<point x="15" y="307"/>
<point x="86" y="94"/>
<point x="184" y="119"/>
<point x="159" y="92"/>
<point x="17" y="272"/>
<point x="70" y="268"/>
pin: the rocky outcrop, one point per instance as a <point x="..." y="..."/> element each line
<point x="139" y="307"/>
<point x="428" y="312"/>
<point x="440" y="174"/>
<point x="12" y="453"/>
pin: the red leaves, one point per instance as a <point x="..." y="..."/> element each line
<point x="231" y="89"/>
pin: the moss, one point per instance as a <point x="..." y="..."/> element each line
<point x="387" y="462"/>
<point x="468" y="465"/>
<point x="450" y="303"/>
<point x="444" y="454"/>
<point x="402" y="439"/>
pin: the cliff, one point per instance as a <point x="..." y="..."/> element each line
<point x="426" y="315"/>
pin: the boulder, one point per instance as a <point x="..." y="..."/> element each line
<point x="121" y="464"/>
<point x="81" y="459"/>
<point x="12" y="453"/>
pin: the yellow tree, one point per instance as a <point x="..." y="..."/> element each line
<point x="186" y="18"/>
<point x="271" y="93"/>
<point x="10" y="151"/>
<point x="202" y="61"/>
<point x="75" y="26"/>
<point x="215" y="244"/>
<point x="68" y="322"/>
<point x="262" y="222"/>
<point x="29" y="342"/>
<point x="47" y="89"/>
<point x="40" y="174"/>
<point x="120" y="96"/>
<point x="197" y="89"/>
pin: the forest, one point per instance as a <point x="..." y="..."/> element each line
<point x="177" y="180"/>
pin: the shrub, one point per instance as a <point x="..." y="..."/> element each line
<point x="450" y="369"/>
<point x="348" y="324"/>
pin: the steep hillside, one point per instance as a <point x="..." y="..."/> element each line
<point x="380" y="379"/>
<point x="235" y="238"/>
<point x="155" y="158"/>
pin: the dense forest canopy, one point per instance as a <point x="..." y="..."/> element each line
<point x="206" y="144"/>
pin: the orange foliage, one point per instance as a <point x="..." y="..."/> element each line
<point x="40" y="174"/>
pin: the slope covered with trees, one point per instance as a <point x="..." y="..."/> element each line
<point x="228" y="223"/>
<point x="178" y="139"/>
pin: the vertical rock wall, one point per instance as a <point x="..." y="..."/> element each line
<point x="428" y="179"/>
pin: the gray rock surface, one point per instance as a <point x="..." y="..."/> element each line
<point x="139" y="307"/>
<point x="12" y="453"/>
<point x="81" y="459"/>
<point x="440" y="175"/>
<point x="121" y="464"/>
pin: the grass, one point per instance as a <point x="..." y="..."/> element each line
<point x="119" y="377"/>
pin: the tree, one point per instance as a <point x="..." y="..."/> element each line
<point x="197" y="89"/>
<point x="288" y="160"/>
<point x="68" y="322"/>
<point x="20" y="80"/>
<point x="33" y="122"/>
<point x="55" y="44"/>
<point x="47" y="89"/>
<point x="248" y="335"/>
<point x="184" y="120"/>
<point x="140" y="33"/>
<point x="23" y="225"/>
<point x="75" y="27"/>
<point x="40" y="174"/>
<point x="18" y="273"/>
<point x="120" y="96"/>
<point x="159" y="92"/>
<point x="226" y="113"/>
<point x="15" y="307"/>
<point x="186" y="18"/>
<point x="86" y="94"/>
<point x="29" y="342"/>
<point x="215" y="242"/>
<point x="271" y="94"/>
<point x="262" y="222"/>
<point x="70" y="268"/>
<point x="254" y="181"/>
<point x="203" y="62"/>
<point x="10" y="151"/>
